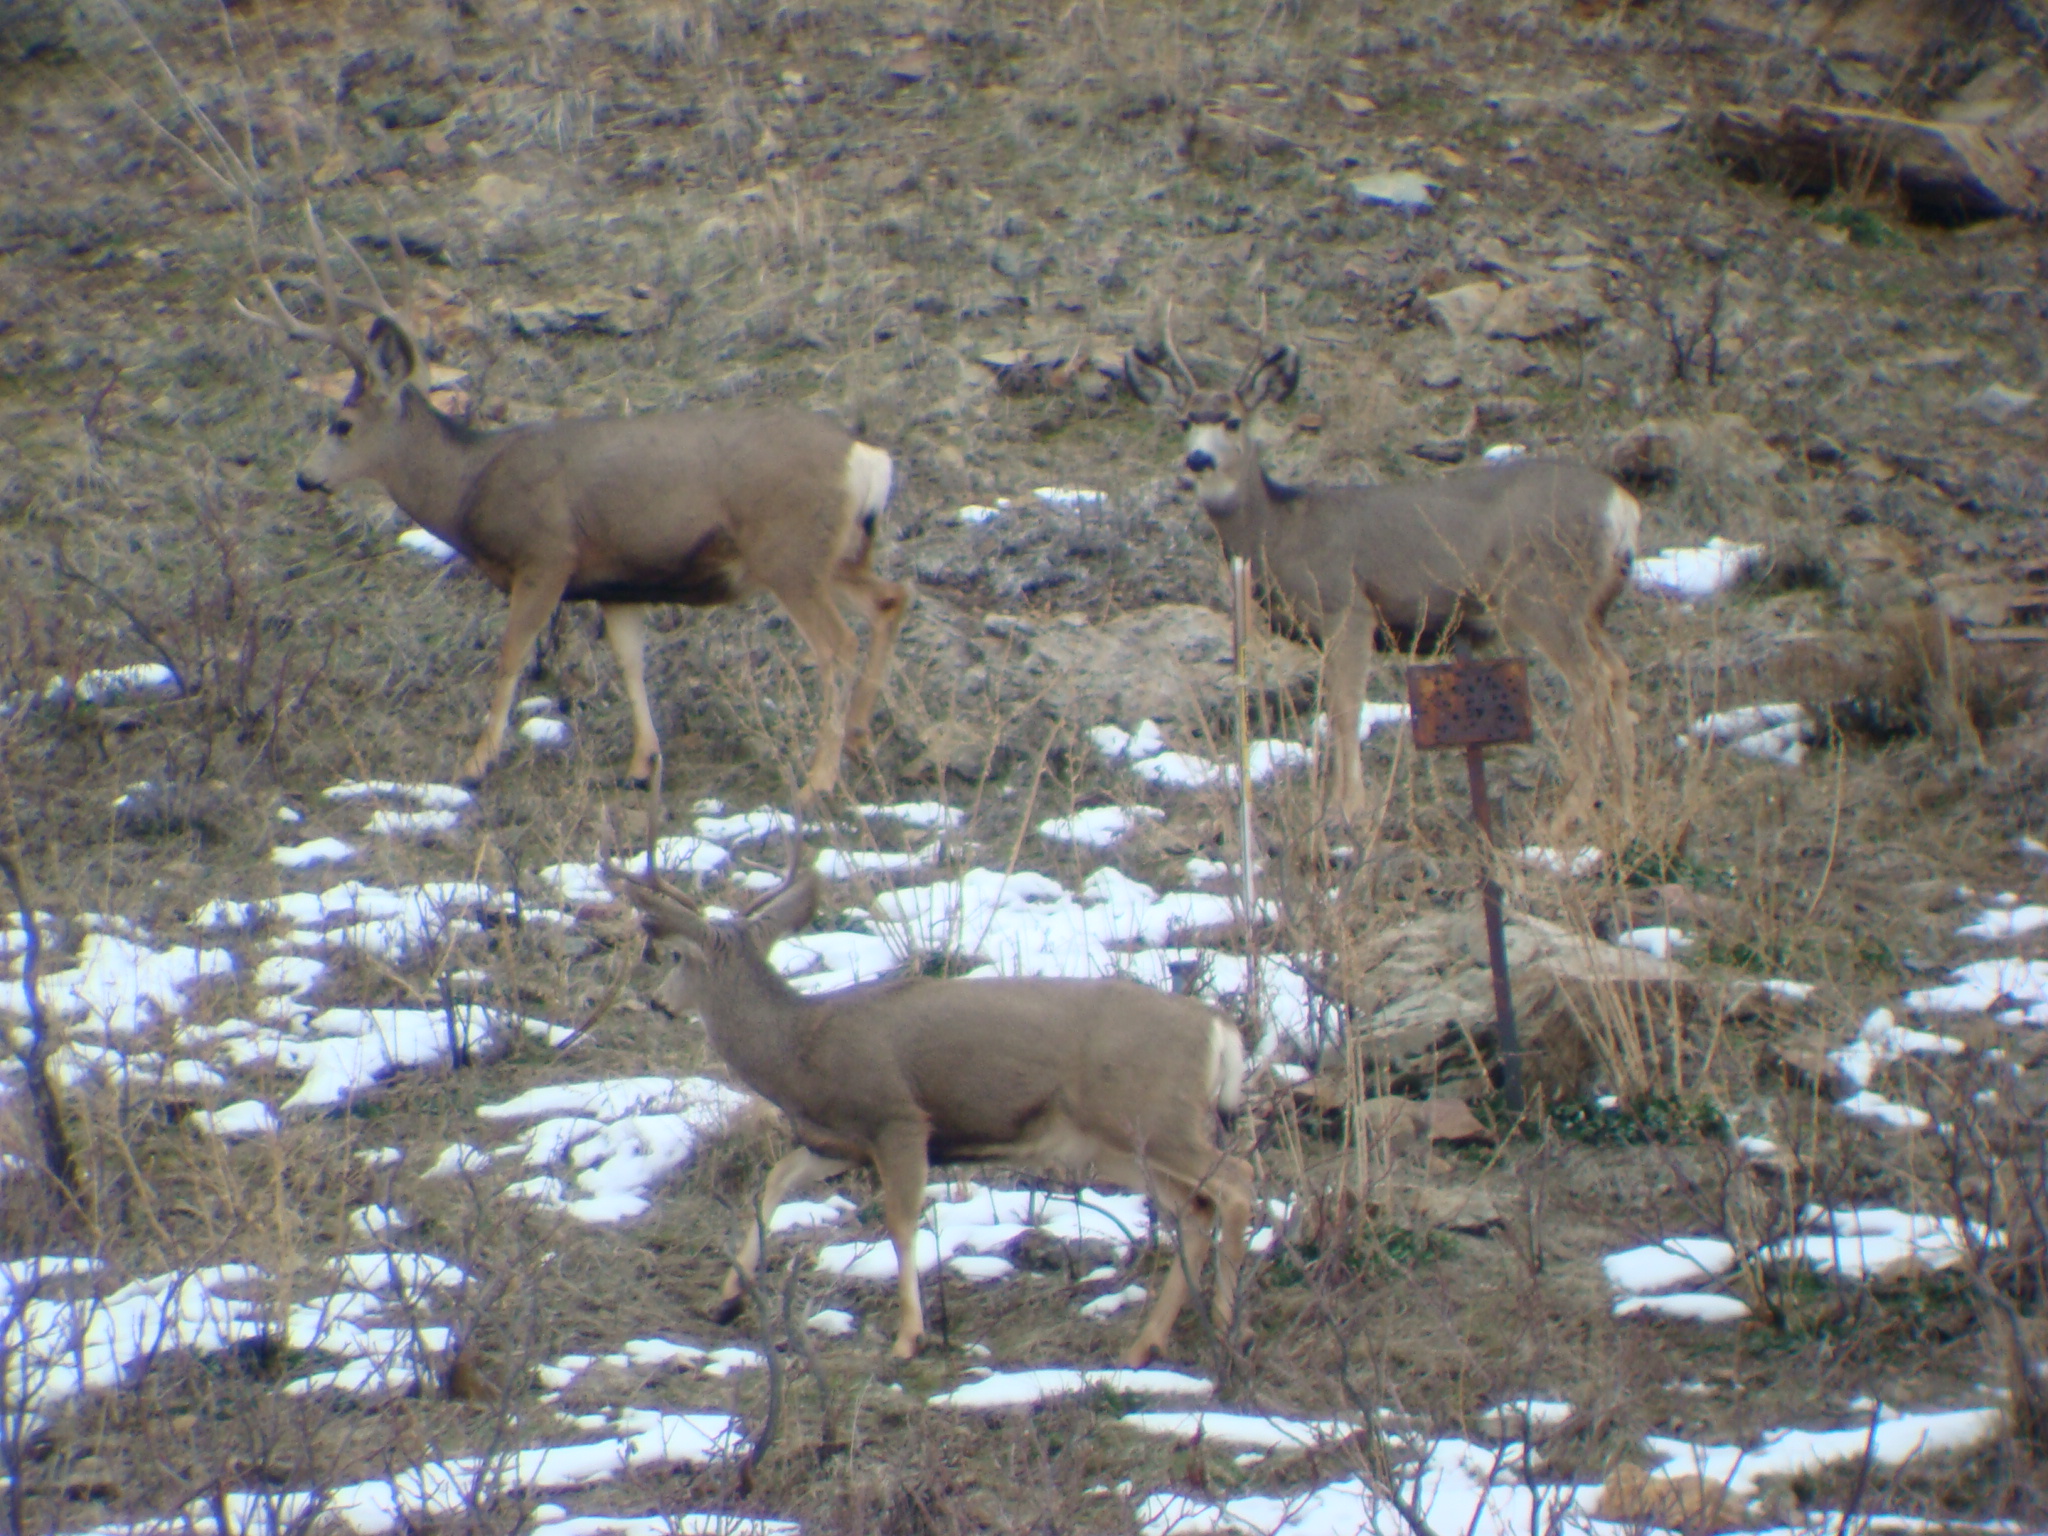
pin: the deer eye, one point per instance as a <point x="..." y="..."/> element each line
<point x="342" y="428"/>
<point x="1231" y="424"/>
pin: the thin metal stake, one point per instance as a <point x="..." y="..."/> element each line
<point x="1240" y="619"/>
<point x="1496" y="934"/>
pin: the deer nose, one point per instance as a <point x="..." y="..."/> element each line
<point x="1199" y="461"/>
<point x="308" y="483"/>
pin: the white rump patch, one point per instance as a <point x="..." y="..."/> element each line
<point x="869" y="474"/>
<point x="1624" y="519"/>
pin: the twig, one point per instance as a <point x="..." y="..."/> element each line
<point x="35" y="1058"/>
<point x="829" y="1443"/>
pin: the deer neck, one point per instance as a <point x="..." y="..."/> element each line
<point x="753" y="1016"/>
<point x="435" y="464"/>
<point x="1242" y="511"/>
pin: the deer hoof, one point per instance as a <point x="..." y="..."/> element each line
<point x="906" y="1349"/>
<point x="727" y="1310"/>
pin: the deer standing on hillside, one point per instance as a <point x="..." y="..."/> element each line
<point x="699" y="508"/>
<point x="1534" y="549"/>
<point x="1107" y="1078"/>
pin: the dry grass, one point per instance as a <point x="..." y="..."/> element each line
<point x="847" y="209"/>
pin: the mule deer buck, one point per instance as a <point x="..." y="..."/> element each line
<point x="1533" y="549"/>
<point x="699" y="508"/>
<point x="1108" y="1078"/>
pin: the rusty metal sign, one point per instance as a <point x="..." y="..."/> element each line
<point x="1474" y="705"/>
<point x="1469" y="703"/>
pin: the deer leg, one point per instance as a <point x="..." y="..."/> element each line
<point x="1230" y="1186"/>
<point x="625" y="631"/>
<point x="1347" y="659"/>
<point x="1621" y="720"/>
<point x="534" y="597"/>
<point x="887" y="604"/>
<point x="901" y="1162"/>
<point x="794" y="1170"/>
<point x="835" y="646"/>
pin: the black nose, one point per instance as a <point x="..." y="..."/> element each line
<point x="1198" y="461"/>
<point x="306" y="483"/>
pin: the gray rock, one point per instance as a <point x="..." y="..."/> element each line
<point x="1998" y="404"/>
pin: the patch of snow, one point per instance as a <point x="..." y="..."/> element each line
<point x="833" y="1323"/>
<point x="119" y="987"/>
<point x="1108" y="1306"/>
<point x="1869" y="1242"/>
<point x="1788" y="1453"/>
<point x="918" y="815"/>
<point x="107" y="684"/>
<point x="973" y="513"/>
<point x="1098" y="828"/>
<point x="842" y="864"/>
<point x="1265" y="1432"/>
<point x="539" y="704"/>
<point x="1660" y="942"/>
<point x="374" y="1221"/>
<point x="1779" y="732"/>
<point x="1696" y="572"/>
<point x="458" y="1157"/>
<point x="236" y="1122"/>
<point x="746" y="827"/>
<point x="621" y="1136"/>
<point x="1791" y="991"/>
<point x="1584" y="862"/>
<point x="351" y="1049"/>
<point x="1692" y="1306"/>
<point x="1661" y="1266"/>
<point x="321" y="850"/>
<point x="2005" y="922"/>
<point x="1504" y="453"/>
<point x="545" y="731"/>
<point x="410" y="823"/>
<point x="802" y="1215"/>
<point x="1020" y="1389"/>
<point x="427" y="797"/>
<point x="1069" y="499"/>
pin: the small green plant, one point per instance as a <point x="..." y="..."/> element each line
<point x="1862" y="225"/>
<point x="1660" y="1119"/>
<point x="1643" y="866"/>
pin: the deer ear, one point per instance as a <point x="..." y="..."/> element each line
<point x="392" y="355"/>
<point x="785" y="911"/>
<point x="1148" y="380"/>
<point x="1271" y="379"/>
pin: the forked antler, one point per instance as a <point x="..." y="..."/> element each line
<point x="333" y="299"/>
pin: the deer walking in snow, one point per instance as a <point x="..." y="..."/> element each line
<point x="1534" y="549"/>
<point x="699" y="508"/>
<point x="1108" y="1079"/>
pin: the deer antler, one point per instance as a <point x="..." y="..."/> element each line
<point x="331" y="334"/>
<point x="1173" y="353"/>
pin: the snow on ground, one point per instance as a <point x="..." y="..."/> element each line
<point x="1878" y="1243"/>
<point x="1779" y="732"/>
<point x="1144" y="751"/>
<point x="597" y="1149"/>
<point x="1696" y="572"/>
<point x="62" y="1334"/>
<point x="1575" y="866"/>
<point x="1102" y="827"/>
<point x="449" y="1490"/>
<point x="1894" y="1441"/>
<point x="986" y="1221"/>
<point x="1019" y="1389"/>
<point x="319" y="850"/>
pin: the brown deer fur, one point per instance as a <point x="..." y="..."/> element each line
<point x="1093" y="1079"/>
<point x="1535" y="549"/>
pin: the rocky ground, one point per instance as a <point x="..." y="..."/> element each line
<point x="395" y="1202"/>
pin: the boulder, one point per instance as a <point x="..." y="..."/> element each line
<point x="1948" y="172"/>
<point x="1426" y="1004"/>
<point x="1562" y="305"/>
<point x="1161" y="663"/>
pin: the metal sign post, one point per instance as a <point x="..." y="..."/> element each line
<point x="1475" y="705"/>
